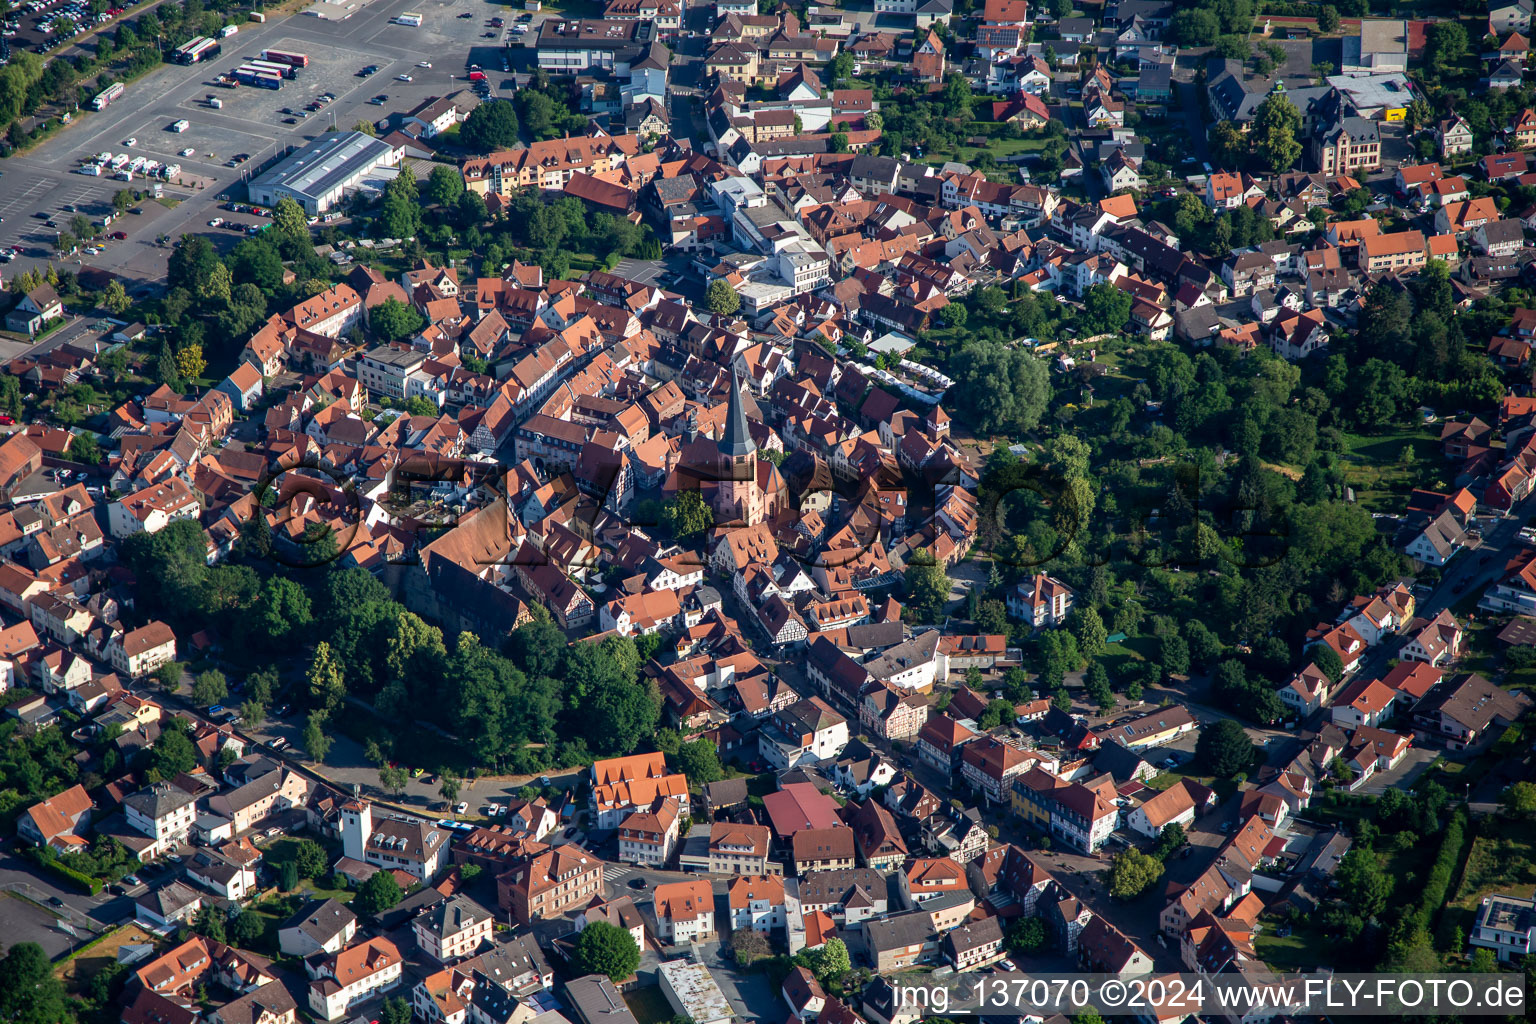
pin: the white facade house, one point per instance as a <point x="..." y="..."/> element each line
<point x="162" y="812"/>
<point x="1506" y="925"/>
<point x="352" y="976"/>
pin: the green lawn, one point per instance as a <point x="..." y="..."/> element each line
<point x="1375" y="467"/>
<point x="1302" y="950"/>
<point x="1000" y="149"/>
<point x="1500" y="860"/>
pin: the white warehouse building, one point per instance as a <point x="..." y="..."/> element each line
<point x="319" y="174"/>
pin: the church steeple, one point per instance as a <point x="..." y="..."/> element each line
<point x="737" y="440"/>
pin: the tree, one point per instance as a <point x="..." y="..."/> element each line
<point x="393" y="779"/>
<point x="1096" y="684"/>
<point x="602" y="948"/>
<point x="284" y="607"/>
<point x="687" y="516"/>
<point x="257" y="261"/>
<point x="83" y="448"/>
<point x="380" y="893"/>
<point x="327" y="685"/>
<point x="253" y="713"/>
<point x="316" y="743"/>
<point x="444" y="185"/>
<point x="172" y="754"/>
<point x="449" y="789"/>
<point x="190" y="363"/>
<point x="1275" y="127"/>
<point x="832" y="961"/>
<point x="700" y="762"/>
<point x="1224" y="748"/>
<point x="748" y="946"/>
<point x="1026" y="935"/>
<point x="245" y="929"/>
<point x="1328" y="662"/>
<point x="1229" y="146"/>
<point x="927" y="587"/>
<point x="997" y="712"/>
<point x="115" y="298"/>
<point x="490" y="126"/>
<point x="290" y="227"/>
<point x="209" y="688"/>
<point x="396" y="1010"/>
<point x="168" y="676"/>
<point x="1328" y="20"/>
<point x="1105" y="309"/>
<point x="393" y="320"/>
<point x="1088" y="627"/>
<point x="29" y="992"/>
<point x="165" y="367"/>
<point x="722" y="298"/>
<point x="10" y="396"/>
<point x="1006" y="388"/>
<point x="1174" y="654"/>
<point x="1447" y="44"/>
<point x="310" y="858"/>
<point x="1519" y="799"/>
<point x="1170" y="839"/>
<point x="1133" y="873"/>
<point x="1366" y="887"/>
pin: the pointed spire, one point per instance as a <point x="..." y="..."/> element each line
<point x="737" y="439"/>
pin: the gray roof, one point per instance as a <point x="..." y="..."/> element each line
<point x="321" y="920"/>
<point x="452" y="916"/>
<point x="596" y="1001"/>
<point x="913" y="928"/>
<point x="974" y="935"/>
<point x="326" y="163"/>
<point x="738" y="437"/>
<point x="168" y="899"/>
<point x="158" y="800"/>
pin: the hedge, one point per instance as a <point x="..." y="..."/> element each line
<point x="79" y="878"/>
<point x="1437" y="884"/>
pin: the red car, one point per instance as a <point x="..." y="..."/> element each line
<point x="6" y="420"/>
<point x="120" y="236"/>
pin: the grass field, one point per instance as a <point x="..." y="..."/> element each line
<point x="77" y="971"/>
<point x="1302" y="950"/>
<point x="1502" y="859"/>
<point x="1376" y="468"/>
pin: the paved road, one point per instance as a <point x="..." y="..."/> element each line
<point x="40" y="180"/>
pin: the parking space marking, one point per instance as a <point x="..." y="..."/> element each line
<point x="34" y="188"/>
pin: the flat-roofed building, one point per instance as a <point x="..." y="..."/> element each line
<point x="319" y="174"/>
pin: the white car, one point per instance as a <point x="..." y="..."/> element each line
<point x="424" y="64"/>
<point x="461" y="807"/>
<point x="404" y="78"/>
<point x="188" y="151"/>
<point x="130" y="142"/>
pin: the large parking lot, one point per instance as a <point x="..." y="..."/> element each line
<point x="250" y="120"/>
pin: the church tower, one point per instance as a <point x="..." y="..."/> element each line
<point x="736" y="495"/>
<point x="356" y="827"/>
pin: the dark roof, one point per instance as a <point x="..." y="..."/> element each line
<point x="738" y="438"/>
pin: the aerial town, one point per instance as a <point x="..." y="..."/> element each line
<point x="670" y="511"/>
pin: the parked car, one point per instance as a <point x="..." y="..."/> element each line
<point x="461" y="807"/>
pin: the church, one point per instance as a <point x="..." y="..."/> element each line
<point x="740" y="488"/>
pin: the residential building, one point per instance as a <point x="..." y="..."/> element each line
<point x="1505" y="924"/>
<point x="685" y="911"/>
<point x="340" y="981"/>
<point x="453" y="928"/>
<point x="550" y="884"/>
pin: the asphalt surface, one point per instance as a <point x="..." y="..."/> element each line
<point x="41" y="180"/>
